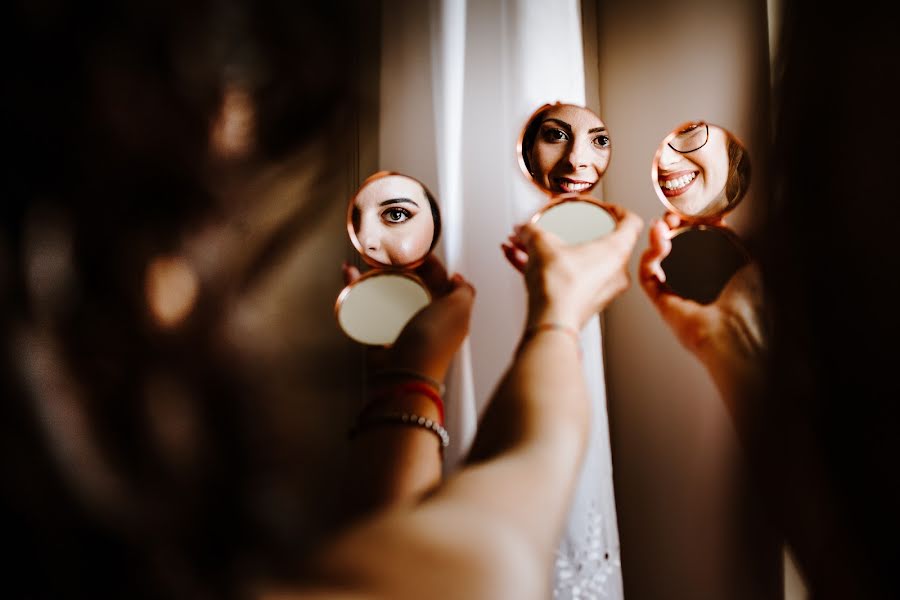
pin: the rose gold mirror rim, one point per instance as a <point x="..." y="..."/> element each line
<point x="368" y="275"/>
<point x="730" y="235"/>
<point x="654" y="177"/>
<point x="355" y="240"/>
<point x="575" y="197"/>
<point x="521" y="159"/>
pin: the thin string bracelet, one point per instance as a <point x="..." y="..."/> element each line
<point x="532" y="331"/>
<point x="402" y="419"/>
<point x="411" y="374"/>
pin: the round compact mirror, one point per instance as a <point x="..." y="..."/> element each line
<point x="564" y="149"/>
<point x="375" y="308"/>
<point x="394" y="223"/>
<point x="575" y="220"/>
<point x="701" y="172"/>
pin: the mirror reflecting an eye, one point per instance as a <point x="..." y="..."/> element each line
<point x="576" y="221"/>
<point x="375" y="309"/>
<point x="701" y="171"/>
<point x="702" y="261"/>
<point x="564" y="149"/>
<point x="393" y="221"/>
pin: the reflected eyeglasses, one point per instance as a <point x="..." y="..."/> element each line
<point x="690" y="139"/>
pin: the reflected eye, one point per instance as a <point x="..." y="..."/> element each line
<point x="601" y="141"/>
<point x="554" y="134"/>
<point x="396" y="215"/>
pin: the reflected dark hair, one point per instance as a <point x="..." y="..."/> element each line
<point x="530" y="135"/>
<point x="435" y="215"/>
<point x="738" y="171"/>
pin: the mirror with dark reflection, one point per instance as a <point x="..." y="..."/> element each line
<point x="702" y="261"/>
<point x="700" y="173"/>
<point x="394" y="223"/>
<point x="564" y="149"/>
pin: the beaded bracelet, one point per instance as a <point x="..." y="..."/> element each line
<point x="413" y="387"/>
<point x="410" y="419"/>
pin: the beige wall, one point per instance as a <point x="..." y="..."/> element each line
<point x="688" y="521"/>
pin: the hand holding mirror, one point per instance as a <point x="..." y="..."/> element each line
<point x="565" y="149"/>
<point x="394" y="223"/>
<point x="700" y="173"/>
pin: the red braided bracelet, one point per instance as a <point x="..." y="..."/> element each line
<point x="412" y="387"/>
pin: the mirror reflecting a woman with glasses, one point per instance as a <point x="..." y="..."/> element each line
<point x="702" y="170"/>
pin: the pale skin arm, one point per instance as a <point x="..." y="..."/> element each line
<point x="490" y="531"/>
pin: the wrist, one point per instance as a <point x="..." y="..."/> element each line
<point x="552" y="314"/>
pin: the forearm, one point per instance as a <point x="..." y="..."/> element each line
<point x="392" y="463"/>
<point x="543" y="392"/>
<point x="534" y="433"/>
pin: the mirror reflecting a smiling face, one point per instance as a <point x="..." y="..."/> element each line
<point x="393" y="221"/>
<point x="701" y="171"/>
<point x="565" y="148"/>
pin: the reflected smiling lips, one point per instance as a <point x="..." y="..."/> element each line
<point x="569" y="185"/>
<point x="676" y="183"/>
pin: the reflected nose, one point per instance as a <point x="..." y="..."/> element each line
<point x="370" y="241"/>
<point x="578" y="155"/>
<point x="668" y="157"/>
<point x="370" y="237"/>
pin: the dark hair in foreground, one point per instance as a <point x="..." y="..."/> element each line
<point x="828" y="427"/>
<point x="112" y="106"/>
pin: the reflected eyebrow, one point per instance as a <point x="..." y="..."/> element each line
<point x="597" y="130"/>
<point x="398" y="201"/>
<point x="558" y="122"/>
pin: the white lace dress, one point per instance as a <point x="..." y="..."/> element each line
<point x="587" y="560"/>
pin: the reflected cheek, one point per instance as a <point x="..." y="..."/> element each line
<point x="546" y="158"/>
<point x="410" y="245"/>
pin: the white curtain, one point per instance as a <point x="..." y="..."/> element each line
<point x="458" y="81"/>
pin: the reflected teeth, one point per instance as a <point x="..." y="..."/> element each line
<point x="571" y="186"/>
<point x="677" y="184"/>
